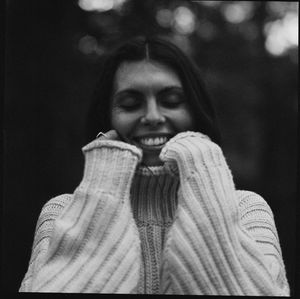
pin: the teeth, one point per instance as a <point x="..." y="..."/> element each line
<point x="153" y="141"/>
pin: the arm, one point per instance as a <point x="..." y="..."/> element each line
<point x="207" y="250"/>
<point x="94" y="246"/>
<point x="44" y="228"/>
<point x="257" y="220"/>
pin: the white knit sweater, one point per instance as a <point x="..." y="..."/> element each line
<point x="178" y="229"/>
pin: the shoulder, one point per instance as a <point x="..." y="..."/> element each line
<point x="57" y="203"/>
<point x="53" y="208"/>
<point x="249" y="198"/>
<point x="49" y="213"/>
<point x="252" y="205"/>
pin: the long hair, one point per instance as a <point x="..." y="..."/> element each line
<point x="159" y="50"/>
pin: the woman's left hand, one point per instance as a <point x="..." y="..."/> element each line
<point x="191" y="151"/>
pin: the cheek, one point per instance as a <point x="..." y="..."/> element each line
<point x="119" y="122"/>
<point x="182" y="120"/>
<point x="123" y="123"/>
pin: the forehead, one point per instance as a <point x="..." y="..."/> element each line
<point x="145" y="74"/>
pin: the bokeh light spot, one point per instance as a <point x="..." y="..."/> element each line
<point x="100" y="5"/>
<point x="238" y="12"/>
<point x="164" y="17"/>
<point x="184" y="20"/>
<point x="89" y="45"/>
<point x="282" y="34"/>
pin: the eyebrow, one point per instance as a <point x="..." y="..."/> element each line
<point x="125" y="92"/>
<point x="170" y="88"/>
<point x="137" y="92"/>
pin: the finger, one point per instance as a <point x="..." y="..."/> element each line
<point x="105" y="136"/>
<point x="112" y="135"/>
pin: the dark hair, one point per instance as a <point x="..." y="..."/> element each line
<point x="156" y="49"/>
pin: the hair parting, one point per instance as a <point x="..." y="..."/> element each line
<point x="161" y="51"/>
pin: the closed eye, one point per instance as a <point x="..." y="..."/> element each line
<point x="128" y="101"/>
<point x="172" y="99"/>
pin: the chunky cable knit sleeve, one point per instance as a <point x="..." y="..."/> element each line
<point x="44" y="228"/>
<point x="258" y="220"/>
<point x="94" y="245"/>
<point x="209" y="249"/>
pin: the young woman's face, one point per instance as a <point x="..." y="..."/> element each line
<point x="149" y="107"/>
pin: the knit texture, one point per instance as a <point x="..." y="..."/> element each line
<point x="178" y="229"/>
<point x="153" y="201"/>
<point x="94" y="246"/>
<point x="208" y="251"/>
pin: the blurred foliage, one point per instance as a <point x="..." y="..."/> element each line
<point x="54" y="51"/>
<point x="227" y="39"/>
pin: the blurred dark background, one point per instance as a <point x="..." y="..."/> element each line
<point x="247" y="51"/>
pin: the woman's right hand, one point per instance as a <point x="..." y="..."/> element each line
<point x="109" y="161"/>
<point x="109" y="135"/>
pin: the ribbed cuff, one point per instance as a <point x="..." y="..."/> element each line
<point x="100" y="143"/>
<point x="190" y="152"/>
<point x="110" y="166"/>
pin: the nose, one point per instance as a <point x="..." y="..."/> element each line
<point x="152" y="116"/>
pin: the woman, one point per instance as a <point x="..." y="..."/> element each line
<point x="156" y="210"/>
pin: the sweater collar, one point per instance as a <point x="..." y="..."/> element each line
<point x="156" y="170"/>
<point x="154" y="195"/>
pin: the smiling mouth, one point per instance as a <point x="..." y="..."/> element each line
<point x="152" y="142"/>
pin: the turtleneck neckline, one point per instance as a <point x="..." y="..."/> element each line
<point x="154" y="195"/>
<point x="156" y="170"/>
<point x="154" y="202"/>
